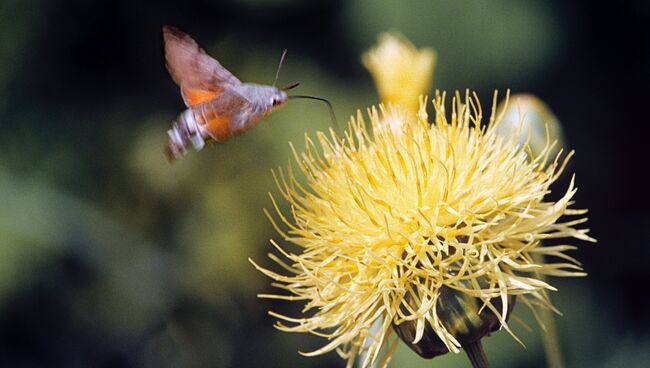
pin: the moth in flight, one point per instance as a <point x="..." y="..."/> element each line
<point x="219" y="106"/>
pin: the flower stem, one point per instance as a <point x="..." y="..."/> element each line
<point x="550" y="341"/>
<point x="476" y="354"/>
<point x="550" y="338"/>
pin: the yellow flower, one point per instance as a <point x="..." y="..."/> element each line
<point x="401" y="72"/>
<point x="387" y="221"/>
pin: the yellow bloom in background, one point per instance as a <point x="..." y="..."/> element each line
<point x="401" y="72"/>
<point x="390" y="223"/>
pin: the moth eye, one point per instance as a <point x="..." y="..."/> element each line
<point x="274" y="101"/>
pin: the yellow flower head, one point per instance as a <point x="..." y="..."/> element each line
<point x="402" y="72"/>
<point x="387" y="220"/>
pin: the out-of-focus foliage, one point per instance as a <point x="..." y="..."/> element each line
<point x="110" y="256"/>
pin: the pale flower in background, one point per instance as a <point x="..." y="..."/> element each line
<point x="401" y="72"/>
<point x="531" y="123"/>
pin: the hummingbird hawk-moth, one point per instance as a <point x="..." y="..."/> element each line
<point x="219" y="106"/>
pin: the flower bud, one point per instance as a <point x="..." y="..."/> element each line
<point x="464" y="316"/>
<point x="528" y="119"/>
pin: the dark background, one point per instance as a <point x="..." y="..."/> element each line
<point x="109" y="256"/>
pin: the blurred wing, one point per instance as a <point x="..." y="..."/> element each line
<point x="200" y="76"/>
<point x="223" y="115"/>
<point x="194" y="96"/>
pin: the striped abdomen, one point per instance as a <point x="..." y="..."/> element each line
<point x="185" y="130"/>
<point x="217" y="120"/>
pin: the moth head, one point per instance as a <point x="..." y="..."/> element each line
<point x="277" y="98"/>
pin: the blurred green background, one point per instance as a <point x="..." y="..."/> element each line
<point x="109" y="256"/>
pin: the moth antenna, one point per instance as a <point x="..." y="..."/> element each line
<point x="277" y="72"/>
<point x="291" y="87"/>
<point x="329" y="105"/>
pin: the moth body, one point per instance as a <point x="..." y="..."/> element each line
<point x="219" y="106"/>
<point x="265" y="99"/>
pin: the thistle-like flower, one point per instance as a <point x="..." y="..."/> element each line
<point x="430" y="230"/>
<point x="390" y="222"/>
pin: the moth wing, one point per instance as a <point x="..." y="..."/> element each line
<point x="200" y="76"/>
<point x="195" y="96"/>
<point x="223" y="115"/>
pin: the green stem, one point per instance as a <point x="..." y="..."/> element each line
<point x="550" y="338"/>
<point x="476" y="354"/>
